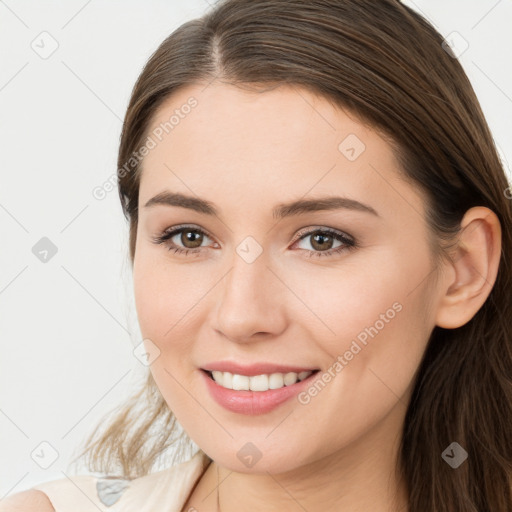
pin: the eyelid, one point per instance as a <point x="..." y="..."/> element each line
<point x="179" y="227"/>
<point x="304" y="231"/>
<point x="312" y="229"/>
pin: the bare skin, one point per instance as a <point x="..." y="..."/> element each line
<point x="245" y="153"/>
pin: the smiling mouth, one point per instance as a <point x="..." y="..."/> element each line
<point x="263" y="382"/>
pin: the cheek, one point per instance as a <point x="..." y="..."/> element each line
<point x="163" y="303"/>
<point x="371" y="365"/>
<point x="366" y="290"/>
<point x="165" y="296"/>
<point x="371" y="319"/>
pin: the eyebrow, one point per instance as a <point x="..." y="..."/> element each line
<point x="281" y="211"/>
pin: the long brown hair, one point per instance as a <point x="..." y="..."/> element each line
<point x="388" y="65"/>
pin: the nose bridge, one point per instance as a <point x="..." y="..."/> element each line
<point x="250" y="301"/>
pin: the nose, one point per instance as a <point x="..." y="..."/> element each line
<point x="251" y="303"/>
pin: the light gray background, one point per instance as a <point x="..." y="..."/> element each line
<point x="68" y="327"/>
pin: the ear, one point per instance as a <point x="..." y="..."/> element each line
<point x="473" y="268"/>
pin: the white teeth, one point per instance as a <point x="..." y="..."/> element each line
<point x="240" y="382"/>
<point x="227" y="379"/>
<point x="258" y="382"/>
<point x="218" y="377"/>
<point x="276" y="381"/>
<point x="290" y="378"/>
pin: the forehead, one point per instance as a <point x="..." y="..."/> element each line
<point x="284" y="141"/>
<point x="282" y="118"/>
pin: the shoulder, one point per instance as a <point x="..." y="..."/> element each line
<point x="165" y="490"/>
<point x="31" y="500"/>
<point x="168" y="488"/>
<point x="175" y="477"/>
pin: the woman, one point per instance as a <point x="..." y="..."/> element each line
<point x="320" y="234"/>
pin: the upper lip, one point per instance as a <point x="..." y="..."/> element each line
<point x="254" y="368"/>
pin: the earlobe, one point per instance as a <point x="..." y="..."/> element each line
<point x="474" y="264"/>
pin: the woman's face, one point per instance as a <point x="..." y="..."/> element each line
<point x="277" y="289"/>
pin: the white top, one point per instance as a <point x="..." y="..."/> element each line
<point x="165" y="490"/>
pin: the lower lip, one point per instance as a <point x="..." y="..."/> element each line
<point x="253" y="402"/>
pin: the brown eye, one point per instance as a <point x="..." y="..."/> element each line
<point x="191" y="239"/>
<point x="182" y="239"/>
<point x="321" y="242"/>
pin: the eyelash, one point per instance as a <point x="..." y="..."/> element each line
<point x="349" y="243"/>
